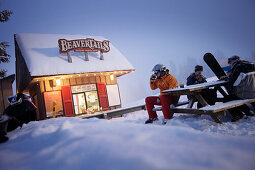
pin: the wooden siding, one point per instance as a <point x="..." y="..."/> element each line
<point x="5" y="91"/>
<point x="36" y="92"/>
<point x="37" y="89"/>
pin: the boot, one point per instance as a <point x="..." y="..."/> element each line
<point x="150" y="120"/>
<point x="237" y="116"/>
<point x="164" y="121"/>
<point x="250" y="113"/>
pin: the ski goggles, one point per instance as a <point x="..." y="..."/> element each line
<point x="13" y="100"/>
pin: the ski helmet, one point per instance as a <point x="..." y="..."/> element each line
<point x="17" y="99"/>
<point x="159" y="68"/>
<point x="233" y="59"/>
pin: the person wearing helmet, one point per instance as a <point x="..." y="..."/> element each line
<point x="162" y="79"/>
<point x="242" y="90"/>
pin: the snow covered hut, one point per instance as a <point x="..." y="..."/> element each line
<point x="69" y="75"/>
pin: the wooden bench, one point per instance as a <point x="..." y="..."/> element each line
<point x="195" y="91"/>
<point x="214" y="110"/>
<point x="116" y="112"/>
<point x="220" y="108"/>
<point x="159" y="108"/>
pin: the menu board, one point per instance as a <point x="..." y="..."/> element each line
<point x="53" y="103"/>
<point x="83" y="88"/>
<point x="113" y="95"/>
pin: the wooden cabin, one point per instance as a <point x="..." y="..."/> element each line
<point x="69" y="75"/>
<point x="5" y="91"/>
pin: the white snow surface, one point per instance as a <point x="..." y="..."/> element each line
<point x="43" y="48"/>
<point x="185" y="142"/>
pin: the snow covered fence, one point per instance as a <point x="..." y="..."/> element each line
<point x="117" y="112"/>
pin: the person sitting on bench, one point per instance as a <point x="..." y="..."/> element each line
<point x="162" y="79"/>
<point x="209" y="95"/>
<point x="239" y="66"/>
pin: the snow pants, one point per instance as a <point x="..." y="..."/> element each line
<point x="165" y="101"/>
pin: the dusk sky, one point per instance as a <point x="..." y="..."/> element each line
<point x="176" y="33"/>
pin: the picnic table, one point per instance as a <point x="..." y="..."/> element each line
<point x="195" y="90"/>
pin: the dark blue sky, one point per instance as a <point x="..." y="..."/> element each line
<point x="173" y="32"/>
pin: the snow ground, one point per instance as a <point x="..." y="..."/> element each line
<point x="126" y="143"/>
<point x="185" y="142"/>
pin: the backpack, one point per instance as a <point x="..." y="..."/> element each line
<point x="244" y="86"/>
<point x="20" y="111"/>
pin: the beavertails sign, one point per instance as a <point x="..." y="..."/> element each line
<point x="83" y="45"/>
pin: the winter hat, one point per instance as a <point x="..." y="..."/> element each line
<point x="233" y="59"/>
<point x="198" y="68"/>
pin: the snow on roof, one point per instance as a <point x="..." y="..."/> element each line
<point x="41" y="54"/>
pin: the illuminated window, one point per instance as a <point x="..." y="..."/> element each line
<point x="112" y="77"/>
<point x="58" y="82"/>
<point x="79" y="103"/>
<point x="92" y="101"/>
<point x="85" y="99"/>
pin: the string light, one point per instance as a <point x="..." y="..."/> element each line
<point x="58" y="82"/>
<point x="112" y="77"/>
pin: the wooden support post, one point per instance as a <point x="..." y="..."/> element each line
<point x="223" y="113"/>
<point x="86" y="56"/>
<point x="191" y="103"/>
<point x="69" y="57"/>
<point x="221" y="91"/>
<point x="101" y="56"/>
<point x="215" y="118"/>
<point x="201" y="99"/>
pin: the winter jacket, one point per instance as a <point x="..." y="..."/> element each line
<point x="166" y="82"/>
<point x="192" y="79"/>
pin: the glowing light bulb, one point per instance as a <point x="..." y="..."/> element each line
<point x="112" y="77"/>
<point x="58" y="82"/>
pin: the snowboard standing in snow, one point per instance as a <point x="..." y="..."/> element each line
<point x="211" y="61"/>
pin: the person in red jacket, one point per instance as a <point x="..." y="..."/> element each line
<point x="162" y="79"/>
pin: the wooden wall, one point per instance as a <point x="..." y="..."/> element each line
<point x="36" y="93"/>
<point x="50" y="85"/>
<point x="37" y="89"/>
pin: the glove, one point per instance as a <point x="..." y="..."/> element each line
<point x="224" y="78"/>
<point x="153" y="77"/>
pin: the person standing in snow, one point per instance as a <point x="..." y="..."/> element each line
<point x="162" y="79"/>
<point x="209" y="95"/>
<point x="244" y="89"/>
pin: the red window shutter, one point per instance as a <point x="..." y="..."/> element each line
<point x="102" y="93"/>
<point x="67" y="101"/>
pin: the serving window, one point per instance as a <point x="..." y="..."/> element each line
<point x="85" y="99"/>
<point x="79" y="103"/>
